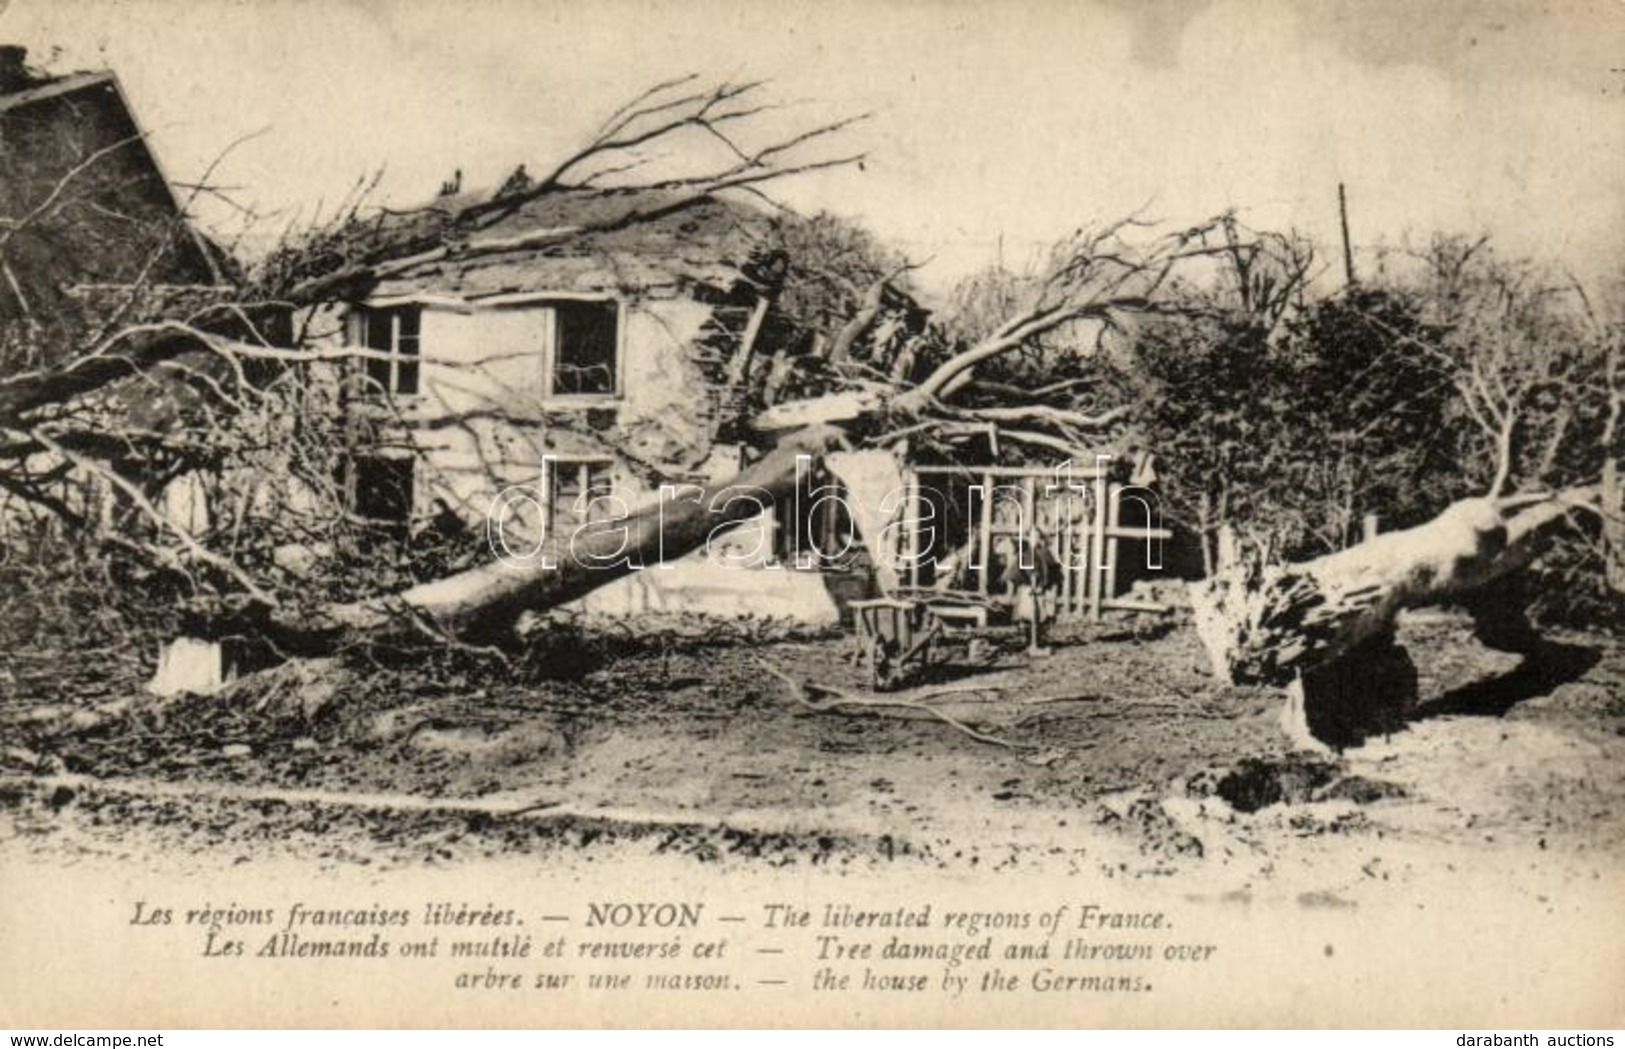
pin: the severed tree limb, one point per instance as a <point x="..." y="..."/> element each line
<point x="658" y="116"/>
<point x="1045" y="413"/>
<point x="840" y="700"/>
<point x="871" y="303"/>
<point x="132" y="492"/>
<point x="1094" y="280"/>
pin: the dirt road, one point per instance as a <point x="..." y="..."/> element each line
<point x="1116" y="753"/>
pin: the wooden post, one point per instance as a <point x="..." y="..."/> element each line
<point x="1348" y="247"/>
<point x="984" y="534"/>
<point x="739" y="367"/>
<point x="1063" y="544"/>
<point x="1369" y="527"/>
<point x="911" y="525"/>
<point x="1611" y="487"/>
<point x="1029" y="513"/>
<point x="1112" y="522"/>
<point x="1227" y="548"/>
<point x="1097" y="547"/>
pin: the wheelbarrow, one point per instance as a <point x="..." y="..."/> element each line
<point x="894" y="638"/>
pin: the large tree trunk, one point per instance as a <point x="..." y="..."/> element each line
<point x="1326" y="627"/>
<point x="482" y="604"/>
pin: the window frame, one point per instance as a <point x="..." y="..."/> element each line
<point x="549" y="301"/>
<point x="583" y="468"/>
<point x="555" y="345"/>
<point x="400" y="361"/>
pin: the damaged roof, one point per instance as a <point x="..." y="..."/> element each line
<point x="74" y="158"/>
<point x="632" y="240"/>
<point x="51" y="88"/>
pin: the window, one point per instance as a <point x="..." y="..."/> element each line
<point x="394" y="333"/>
<point x="382" y="488"/>
<point x="571" y="481"/>
<point x="586" y="349"/>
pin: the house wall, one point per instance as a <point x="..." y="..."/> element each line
<point x="483" y="420"/>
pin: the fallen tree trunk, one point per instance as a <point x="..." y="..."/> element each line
<point x="1326" y="627"/>
<point x="1261" y="625"/>
<point x="482" y="604"/>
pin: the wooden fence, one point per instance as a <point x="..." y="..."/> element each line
<point x="1078" y="516"/>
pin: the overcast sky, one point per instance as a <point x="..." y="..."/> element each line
<point x="1020" y="120"/>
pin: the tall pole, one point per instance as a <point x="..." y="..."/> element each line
<point x="1348" y="248"/>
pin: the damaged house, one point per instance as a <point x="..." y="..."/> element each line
<point x="601" y="345"/>
<point x="525" y="393"/>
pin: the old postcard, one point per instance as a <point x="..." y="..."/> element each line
<point x="942" y="514"/>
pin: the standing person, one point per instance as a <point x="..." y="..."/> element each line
<point x="1032" y="589"/>
<point x="1042" y="581"/>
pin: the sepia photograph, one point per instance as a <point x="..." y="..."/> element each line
<point x="924" y="513"/>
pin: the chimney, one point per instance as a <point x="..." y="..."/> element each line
<point x="14" y="75"/>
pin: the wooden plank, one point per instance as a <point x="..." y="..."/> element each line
<point x="1086" y="542"/>
<point x="1080" y="573"/>
<point x="739" y="367"/>
<point x="911" y="526"/>
<point x="1079" y="473"/>
<point x="1129" y="604"/>
<point x="1029" y="527"/>
<point x="975" y="615"/>
<point x="1132" y="532"/>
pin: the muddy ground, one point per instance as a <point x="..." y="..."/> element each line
<point x="1116" y="755"/>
